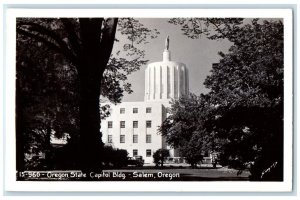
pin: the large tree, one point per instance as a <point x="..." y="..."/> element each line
<point x="184" y="129"/>
<point x="86" y="44"/>
<point x="246" y="87"/>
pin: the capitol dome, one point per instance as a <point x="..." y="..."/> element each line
<point x="167" y="79"/>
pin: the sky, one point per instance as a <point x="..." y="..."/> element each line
<point x="197" y="54"/>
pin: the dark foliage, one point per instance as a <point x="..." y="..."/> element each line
<point x="114" y="158"/>
<point x="244" y="117"/>
<point x="60" y="79"/>
<point x="160" y="156"/>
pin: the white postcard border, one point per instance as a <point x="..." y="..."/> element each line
<point x="237" y="186"/>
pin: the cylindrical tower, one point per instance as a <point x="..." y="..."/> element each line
<point x="167" y="79"/>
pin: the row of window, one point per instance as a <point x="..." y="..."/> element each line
<point x="134" y="139"/>
<point x="135" y="124"/>
<point x="135" y="110"/>
<point x="148" y="152"/>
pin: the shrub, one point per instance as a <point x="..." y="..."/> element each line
<point x="160" y="156"/>
<point x="114" y="157"/>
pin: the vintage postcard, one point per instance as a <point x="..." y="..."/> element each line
<point x="149" y="100"/>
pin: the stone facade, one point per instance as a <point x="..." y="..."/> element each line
<point x="134" y="126"/>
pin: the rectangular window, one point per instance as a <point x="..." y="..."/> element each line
<point x="122" y="110"/>
<point x="109" y="139"/>
<point x="148" y="124"/>
<point x="122" y="124"/>
<point x="148" y="153"/>
<point x="135" y="152"/>
<point x="135" y="110"/>
<point x="135" y="138"/>
<point x="122" y="138"/>
<point x="148" y="110"/>
<point x="135" y="124"/>
<point x="109" y="124"/>
<point x="148" y="138"/>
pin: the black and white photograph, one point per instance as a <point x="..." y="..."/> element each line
<point x="150" y="99"/>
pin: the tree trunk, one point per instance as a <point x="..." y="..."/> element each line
<point x="90" y="137"/>
<point x="96" y="49"/>
<point x="49" y="150"/>
<point x="20" y="154"/>
<point x="162" y="162"/>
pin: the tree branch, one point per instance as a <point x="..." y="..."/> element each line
<point x="90" y="31"/>
<point x="38" y="38"/>
<point x="41" y="30"/>
<point x="72" y="36"/>
<point x="107" y="40"/>
<point x="44" y="31"/>
<point x="217" y="27"/>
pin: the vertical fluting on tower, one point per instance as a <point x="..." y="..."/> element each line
<point x="167" y="79"/>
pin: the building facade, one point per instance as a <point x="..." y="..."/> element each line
<point x="134" y="125"/>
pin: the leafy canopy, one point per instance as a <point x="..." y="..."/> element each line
<point x="244" y="113"/>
